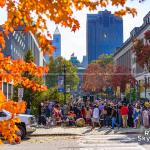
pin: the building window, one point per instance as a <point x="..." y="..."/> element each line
<point x="105" y="35"/>
<point x="16" y="36"/>
<point x="23" y="46"/>
<point x="20" y="42"/>
<point x="11" y="47"/>
<point x="133" y="70"/>
<point x="14" y="33"/>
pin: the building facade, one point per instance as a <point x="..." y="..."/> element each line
<point x="125" y="56"/>
<point x="104" y="33"/>
<point x="17" y="45"/>
<point x="19" y="42"/>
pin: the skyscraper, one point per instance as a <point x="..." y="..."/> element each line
<point x="57" y="43"/>
<point x="104" y="33"/>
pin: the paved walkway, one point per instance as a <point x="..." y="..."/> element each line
<point x="85" y="130"/>
<point x="110" y="142"/>
<point x="87" y="142"/>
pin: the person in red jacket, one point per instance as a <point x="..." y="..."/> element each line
<point x="124" y="113"/>
<point x="83" y="113"/>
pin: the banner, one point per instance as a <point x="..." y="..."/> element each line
<point x="142" y="88"/>
<point x="60" y="83"/>
<point x="127" y="90"/>
<point x="118" y="91"/>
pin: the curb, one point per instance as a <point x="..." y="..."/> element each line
<point x="55" y="134"/>
<point x="130" y="133"/>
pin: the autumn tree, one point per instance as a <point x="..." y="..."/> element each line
<point x="120" y="77"/>
<point x="142" y="50"/>
<point x="11" y="71"/>
<point x="98" y="74"/>
<point x="104" y="74"/>
<point x="92" y="79"/>
<point x="32" y="98"/>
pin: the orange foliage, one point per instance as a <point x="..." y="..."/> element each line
<point x="11" y="71"/>
<point x="2" y="3"/>
<point x="97" y="77"/>
<point x="8" y="127"/>
<point x="61" y="12"/>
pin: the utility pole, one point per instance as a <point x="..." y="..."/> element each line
<point x="64" y="83"/>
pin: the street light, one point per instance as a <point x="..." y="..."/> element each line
<point x="64" y="83"/>
<point x="145" y="78"/>
<point x="130" y="100"/>
<point x="137" y="90"/>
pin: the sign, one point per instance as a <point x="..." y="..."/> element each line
<point x="68" y="89"/>
<point x="20" y="92"/>
<point x="60" y="83"/>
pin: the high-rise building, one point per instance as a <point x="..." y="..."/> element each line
<point x="84" y="62"/>
<point x="57" y="43"/>
<point x="104" y="33"/>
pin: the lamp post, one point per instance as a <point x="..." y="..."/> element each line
<point x="145" y="78"/>
<point x="137" y="90"/>
<point x="130" y="92"/>
<point x="64" y="83"/>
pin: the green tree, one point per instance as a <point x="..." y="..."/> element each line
<point x="56" y="68"/>
<point x="29" y="56"/>
<point x="104" y="59"/>
<point x="33" y="98"/>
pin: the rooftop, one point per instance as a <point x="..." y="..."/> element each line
<point x="133" y="34"/>
<point x="57" y="31"/>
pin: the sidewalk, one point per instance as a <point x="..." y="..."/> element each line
<point x="66" y="131"/>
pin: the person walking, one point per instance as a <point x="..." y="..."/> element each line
<point x="114" y="117"/>
<point x="83" y="113"/>
<point x="108" y="115"/>
<point x="145" y="116"/>
<point x="136" y="116"/>
<point x="124" y="113"/>
<point x="95" y="117"/>
<point x="130" y="116"/>
<point x="88" y="115"/>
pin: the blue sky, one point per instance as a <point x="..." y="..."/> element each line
<point x="76" y="42"/>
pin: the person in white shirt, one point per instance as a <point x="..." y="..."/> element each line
<point x="95" y="116"/>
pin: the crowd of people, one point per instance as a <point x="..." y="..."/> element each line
<point x="102" y="113"/>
